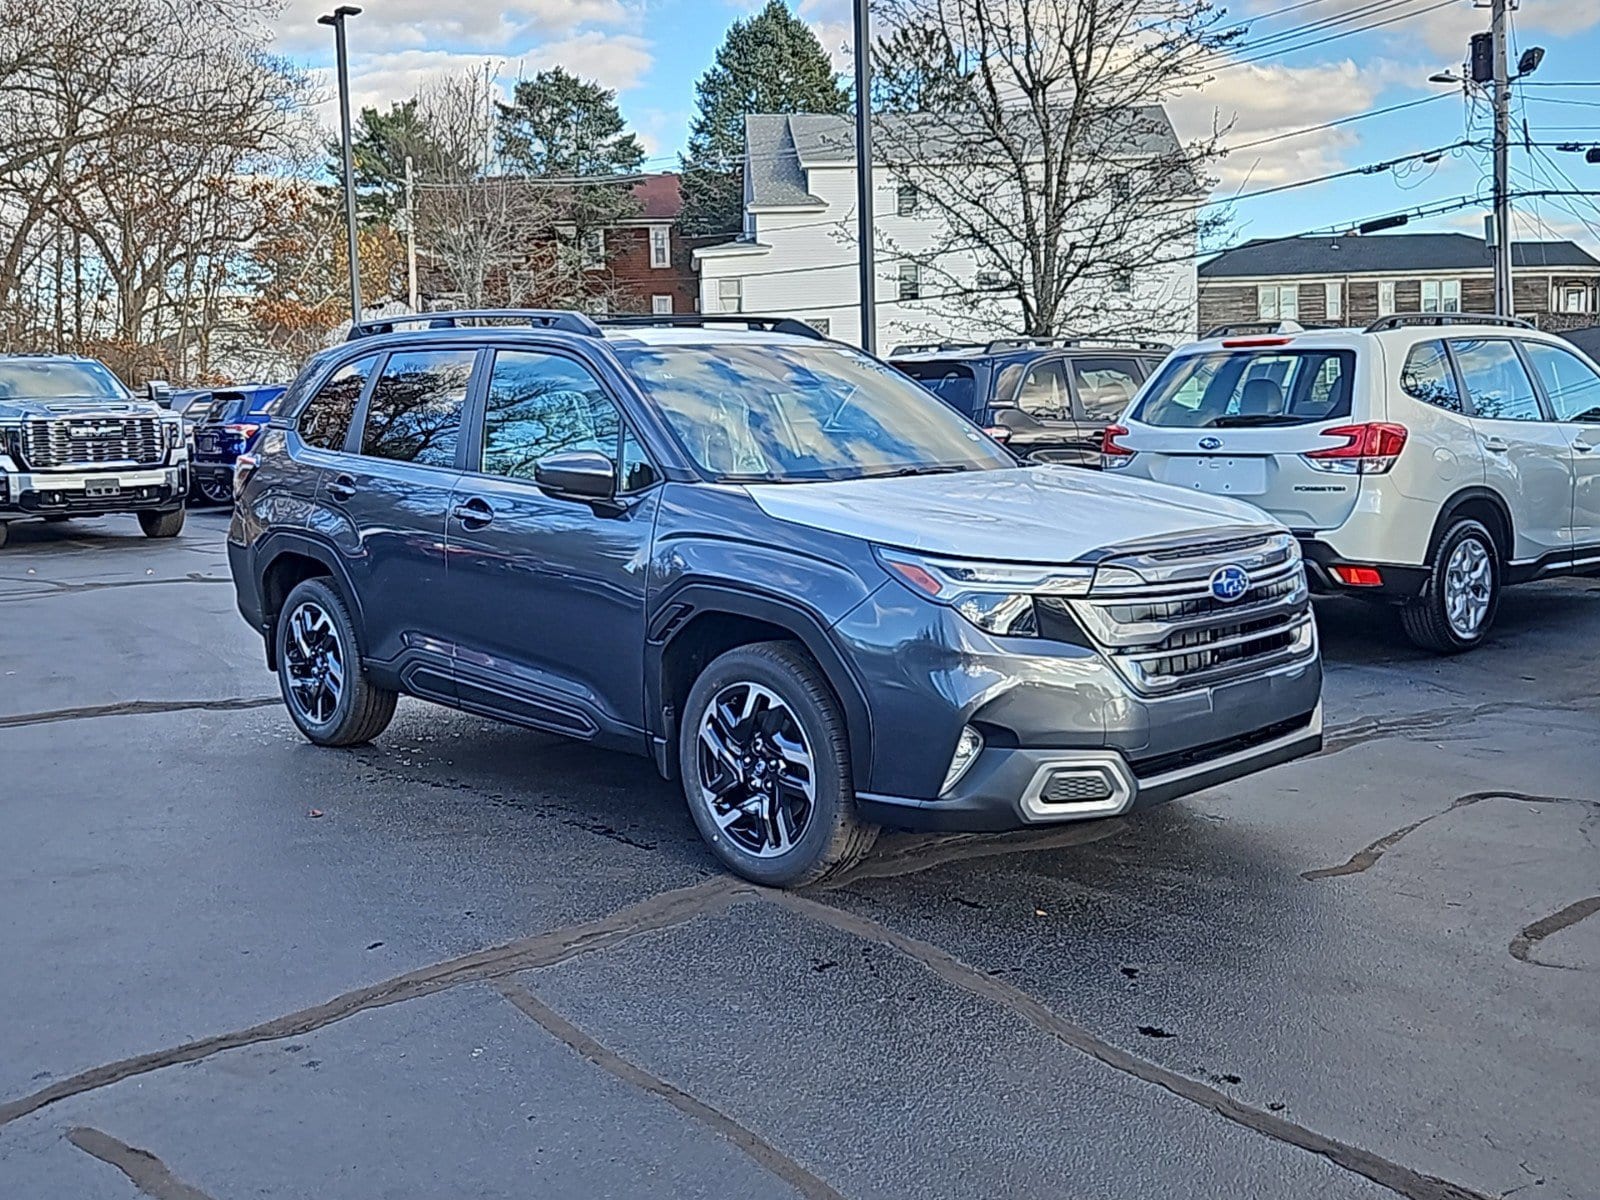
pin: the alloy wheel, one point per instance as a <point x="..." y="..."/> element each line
<point x="757" y="776"/>
<point x="217" y="491"/>
<point x="314" y="661"/>
<point x="1468" y="587"/>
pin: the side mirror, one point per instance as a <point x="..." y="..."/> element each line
<point x="580" y="474"/>
<point x="1009" y="416"/>
<point x="160" y="392"/>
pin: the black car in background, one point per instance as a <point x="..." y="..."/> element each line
<point x="227" y="427"/>
<point x="1049" y="399"/>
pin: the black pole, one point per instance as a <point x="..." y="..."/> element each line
<point x="869" y="300"/>
<point x="337" y="19"/>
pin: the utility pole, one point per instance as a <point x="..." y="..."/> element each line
<point x="864" y="223"/>
<point x="1504" y="299"/>
<point x="411" y="238"/>
<point x="337" y="19"/>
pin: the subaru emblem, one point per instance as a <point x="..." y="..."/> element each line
<point x="1230" y="582"/>
<point x="1211" y="443"/>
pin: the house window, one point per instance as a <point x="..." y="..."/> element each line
<point x="1386" y="298"/>
<point x="660" y="246"/>
<point x="1122" y="281"/>
<point x="593" y="249"/>
<point x="1572" y="298"/>
<point x="660" y="304"/>
<point x="910" y="281"/>
<point x="730" y="295"/>
<point x="1335" y="300"/>
<point x="906" y="199"/>
<point x="1441" y="295"/>
<point x="1278" y="302"/>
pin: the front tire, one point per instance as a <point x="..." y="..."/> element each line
<point x="162" y="524"/>
<point x="216" y="491"/>
<point x="1458" y="605"/>
<point x="764" y="756"/>
<point x="327" y="691"/>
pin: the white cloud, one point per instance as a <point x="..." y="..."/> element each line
<point x="660" y="132"/>
<point x="464" y="24"/>
<point x="617" y="61"/>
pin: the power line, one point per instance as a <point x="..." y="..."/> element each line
<point x="1332" y="37"/>
<point x="1370" y="8"/>
<point x="1376" y="112"/>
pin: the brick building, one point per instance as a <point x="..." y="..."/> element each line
<point x="649" y="266"/>
<point x="1356" y="280"/>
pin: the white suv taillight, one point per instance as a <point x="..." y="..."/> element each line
<point x="1113" y="454"/>
<point x="1369" y="449"/>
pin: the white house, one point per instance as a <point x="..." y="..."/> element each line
<point x="797" y="255"/>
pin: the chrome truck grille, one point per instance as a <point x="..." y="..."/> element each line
<point x="89" y="441"/>
<point x="1176" y="617"/>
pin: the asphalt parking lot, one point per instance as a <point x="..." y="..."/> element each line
<point x="474" y="961"/>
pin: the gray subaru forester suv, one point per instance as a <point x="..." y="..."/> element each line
<point x="810" y="591"/>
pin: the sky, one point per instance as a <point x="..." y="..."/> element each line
<point x="652" y="52"/>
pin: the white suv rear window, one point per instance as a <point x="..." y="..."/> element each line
<point x="1237" y="388"/>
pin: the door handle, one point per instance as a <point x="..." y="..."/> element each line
<point x="1581" y="446"/>
<point x="474" y="513"/>
<point x="343" y="487"/>
<point x="1496" y="445"/>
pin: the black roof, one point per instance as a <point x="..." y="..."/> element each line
<point x="1587" y="340"/>
<point x="1383" y="254"/>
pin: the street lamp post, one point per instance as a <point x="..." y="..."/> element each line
<point x="864" y="223"/>
<point x="337" y="19"/>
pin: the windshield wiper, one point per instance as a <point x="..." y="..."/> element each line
<point x="927" y="469"/>
<point x="1239" y="422"/>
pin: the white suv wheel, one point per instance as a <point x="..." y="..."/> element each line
<point x="1468" y="587"/>
<point x="1457" y="606"/>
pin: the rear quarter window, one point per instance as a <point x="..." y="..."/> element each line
<point x="954" y="383"/>
<point x="1235" y="388"/>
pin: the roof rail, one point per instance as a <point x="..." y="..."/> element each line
<point x="1246" y="328"/>
<point x="1406" y="320"/>
<point x="755" y="321"/>
<point x="1073" y="339"/>
<point x="567" y="320"/>
<point x="934" y="347"/>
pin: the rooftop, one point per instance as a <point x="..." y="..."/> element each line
<point x="1384" y="254"/>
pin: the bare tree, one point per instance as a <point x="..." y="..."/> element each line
<point x="1032" y="130"/>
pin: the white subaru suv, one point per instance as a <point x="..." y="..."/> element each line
<point x="1427" y="460"/>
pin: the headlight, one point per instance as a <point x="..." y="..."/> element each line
<point x="997" y="597"/>
<point x="172" y="433"/>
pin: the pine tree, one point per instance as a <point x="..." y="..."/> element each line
<point x="379" y="145"/>
<point x="769" y="63"/>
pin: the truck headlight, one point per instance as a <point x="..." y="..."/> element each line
<point x="172" y="434"/>
<point x="996" y="597"/>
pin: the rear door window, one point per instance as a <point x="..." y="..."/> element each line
<point x="1570" y="383"/>
<point x="1240" y="388"/>
<point x="326" y="420"/>
<point x="1495" y="380"/>
<point x="1105" y="385"/>
<point x="414" y="414"/>
<point x="954" y="383"/>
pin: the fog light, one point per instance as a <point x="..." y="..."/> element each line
<point x="968" y="746"/>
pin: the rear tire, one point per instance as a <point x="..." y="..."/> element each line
<point x="162" y="524"/>
<point x="326" y="689"/>
<point x="214" y="492"/>
<point x="1458" y="604"/>
<point x="5" y="533"/>
<point x="764" y="757"/>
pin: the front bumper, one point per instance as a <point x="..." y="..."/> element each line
<point x="1009" y="787"/>
<point x="43" y="493"/>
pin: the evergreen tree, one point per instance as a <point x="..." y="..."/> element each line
<point x="769" y="63"/>
<point x="915" y="70"/>
<point x="379" y="144"/>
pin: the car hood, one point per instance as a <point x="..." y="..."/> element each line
<point x="23" y="409"/>
<point x="1045" y="514"/>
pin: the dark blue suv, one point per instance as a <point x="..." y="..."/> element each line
<point x="817" y="597"/>
<point x="229" y="427"/>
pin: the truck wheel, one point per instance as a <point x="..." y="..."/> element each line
<point x="1462" y="595"/>
<point x="326" y="689"/>
<point x="5" y="532"/>
<point x="215" y="490"/>
<point x="162" y="524"/>
<point x="765" y="761"/>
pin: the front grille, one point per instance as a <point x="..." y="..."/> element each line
<point x="68" y="442"/>
<point x="1160" y="624"/>
<point x="1196" y="756"/>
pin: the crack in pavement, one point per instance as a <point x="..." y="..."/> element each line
<point x="1336" y="738"/>
<point x="144" y="1170"/>
<point x="1367" y="857"/>
<point x="57" y="588"/>
<point x="661" y="911"/>
<point x="763" y="1152"/>
<point x="1522" y="945"/>
<point x="1397" y="1178"/>
<point x="130" y="708"/>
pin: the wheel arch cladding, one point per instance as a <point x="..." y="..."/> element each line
<point x="290" y="561"/>
<point x="1488" y="509"/>
<point x="700" y="622"/>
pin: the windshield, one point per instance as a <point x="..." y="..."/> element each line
<point x="56" y="380"/>
<point x="1266" y="387"/>
<point x="787" y="413"/>
<point x="951" y="382"/>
